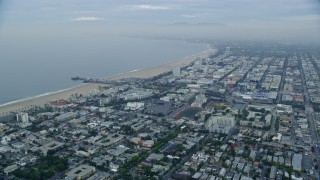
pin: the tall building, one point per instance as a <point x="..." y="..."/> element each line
<point x="227" y="120"/>
<point x="176" y="71"/>
<point x="22" y="117"/>
<point x="205" y="70"/>
<point x="197" y="64"/>
<point x="228" y="50"/>
<point x="220" y="124"/>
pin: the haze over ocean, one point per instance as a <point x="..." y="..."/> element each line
<point x="32" y="67"/>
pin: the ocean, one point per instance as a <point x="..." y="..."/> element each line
<point x="33" y="67"/>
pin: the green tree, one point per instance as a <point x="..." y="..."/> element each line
<point x="245" y="113"/>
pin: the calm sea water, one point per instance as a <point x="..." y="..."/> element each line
<point x="32" y="67"/>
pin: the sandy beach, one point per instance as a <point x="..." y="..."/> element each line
<point x="86" y="89"/>
<point x="154" y="71"/>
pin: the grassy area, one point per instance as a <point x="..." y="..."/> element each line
<point x="189" y="112"/>
<point x="219" y="106"/>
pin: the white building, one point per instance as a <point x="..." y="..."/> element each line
<point x="176" y="71"/>
<point x="66" y="116"/>
<point x="205" y="70"/>
<point x="137" y="94"/>
<point x="283" y="109"/>
<point x="199" y="101"/>
<point x="80" y="172"/>
<point x="10" y="169"/>
<point x="22" y="117"/>
<point x="268" y="119"/>
<point x="5" y="140"/>
<point x="114" y="167"/>
<point x="104" y="101"/>
<point x="220" y="124"/>
<point x="82" y="154"/>
<point x="205" y="81"/>
<point x="169" y="97"/>
<point x="197" y="64"/>
<point x="135" y="140"/>
<point x="134" y="106"/>
<point x="227" y="120"/>
<point x="147" y="143"/>
<point x="228" y="52"/>
<point x="278" y="137"/>
<point x="222" y="172"/>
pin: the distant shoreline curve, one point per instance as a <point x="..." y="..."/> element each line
<point x="42" y="99"/>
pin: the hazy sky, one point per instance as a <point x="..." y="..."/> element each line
<point x="261" y="19"/>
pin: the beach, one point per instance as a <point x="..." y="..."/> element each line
<point x="86" y="89"/>
<point x="154" y="71"/>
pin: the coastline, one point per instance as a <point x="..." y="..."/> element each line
<point x="85" y="89"/>
<point x="40" y="95"/>
<point x="154" y="71"/>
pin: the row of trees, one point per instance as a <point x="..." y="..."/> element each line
<point x="135" y="160"/>
<point x="45" y="168"/>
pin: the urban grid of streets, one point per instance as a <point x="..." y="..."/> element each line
<point x="250" y="111"/>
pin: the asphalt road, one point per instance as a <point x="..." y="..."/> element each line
<point x="311" y="116"/>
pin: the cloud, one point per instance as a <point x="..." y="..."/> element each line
<point x="312" y="17"/>
<point x="188" y="16"/>
<point x="146" y="7"/>
<point x="87" y="18"/>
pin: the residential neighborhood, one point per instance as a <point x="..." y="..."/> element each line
<point x="246" y="112"/>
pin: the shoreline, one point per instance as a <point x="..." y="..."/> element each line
<point x="40" y="95"/>
<point x="85" y="89"/>
<point x="156" y="70"/>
